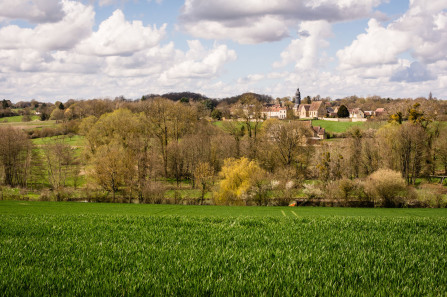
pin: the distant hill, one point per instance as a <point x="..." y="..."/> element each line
<point x="259" y="97"/>
<point x="177" y="96"/>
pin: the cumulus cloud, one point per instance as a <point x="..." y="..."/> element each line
<point x="74" y="26"/>
<point x="304" y="52"/>
<point x="31" y="10"/>
<point x="116" y="36"/>
<point x="68" y="58"/>
<point x="416" y="72"/>
<point x="421" y="31"/>
<point x="260" y="21"/>
<point x="198" y="62"/>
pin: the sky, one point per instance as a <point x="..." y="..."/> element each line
<point x="64" y="49"/>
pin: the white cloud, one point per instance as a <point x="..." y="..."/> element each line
<point x="116" y="36"/>
<point x="255" y="21"/>
<point x="421" y="31"/>
<point x="64" y="34"/>
<point x="198" y="62"/>
<point x="416" y="72"/>
<point x="379" y="45"/>
<point x="33" y="11"/>
<point x="304" y="52"/>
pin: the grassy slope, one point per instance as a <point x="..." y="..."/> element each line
<point x="337" y="127"/>
<point x="76" y="140"/>
<point x="29" y="125"/>
<point x="107" y="249"/>
<point x="16" y="119"/>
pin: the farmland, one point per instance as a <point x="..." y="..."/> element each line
<point x="108" y="249"/>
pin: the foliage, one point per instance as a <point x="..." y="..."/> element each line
<point x="343" y="112"/>
<point x="241" y="178"/>
<point x="216" y="114"/>
<point x="203" y="175"/>
<point x="15" y="153"/>
<point x="386" y="186"/>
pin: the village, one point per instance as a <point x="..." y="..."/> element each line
<point x="296" y="109"/>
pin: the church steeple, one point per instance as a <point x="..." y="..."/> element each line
<point x="298" y="97"/>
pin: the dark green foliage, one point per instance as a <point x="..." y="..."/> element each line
<point x="343" y="112"/>
<point x="44" y="116"/>
<point x="61" y="106"/>
<point x="5" y="104"/>
<point x="216" y="114"/>
<point x="209" y="104"/>
<point x="218" y="252"/>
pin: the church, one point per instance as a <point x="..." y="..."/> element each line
<point x="315" y="110"/>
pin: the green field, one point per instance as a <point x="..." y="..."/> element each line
<point x="116" y="249"/>
<point x="76" y="140"/>
<point x="337" y="127"/>
<point x="16" y="119"/>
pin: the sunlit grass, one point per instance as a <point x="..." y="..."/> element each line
<point x="110" y="249"/>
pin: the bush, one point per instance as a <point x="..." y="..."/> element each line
<point x="431" y="196"/>
<point x="386" y="187"/>
<point x="153" y="192"/>
<point x="242" y="180"/>
<point x="312" y="191"/>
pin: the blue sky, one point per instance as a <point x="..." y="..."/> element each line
<point x="61" y="49"/>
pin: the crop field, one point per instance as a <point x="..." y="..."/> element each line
<point x="107" y="249"/>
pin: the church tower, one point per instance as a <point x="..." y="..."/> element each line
<point x="298" y="97"/>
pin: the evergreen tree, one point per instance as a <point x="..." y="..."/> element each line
<point x="343" y="112"/>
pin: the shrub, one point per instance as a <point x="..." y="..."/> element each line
<point x="153" y="192"/>
<point x="431" y="196"/>
<point x="312" y="191"/>
<point x="242" y="179"/>
<point x="386" y="186"/>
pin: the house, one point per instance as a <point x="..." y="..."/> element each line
<point x="331" y="112"/>
<point x="356" y="113"/>
<point x="318" y="132"/>
<point x="274" y="112"/>
<point x="380" y="111"/>
<point x="369" y="113"/>
<point x="317" y="109"/>
<point x="301" y="111"/>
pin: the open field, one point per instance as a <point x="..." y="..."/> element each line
<point x="337" y="127"/>
<point x="16" y="119"/>
<point x="29" y="125"/>
<point x="75" y="141"/>
<point x="109" y="249"/>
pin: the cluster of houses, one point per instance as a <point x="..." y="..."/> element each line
<point x="315" y="110"/>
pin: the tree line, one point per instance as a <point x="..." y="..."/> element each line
<point x="132" y="148"/>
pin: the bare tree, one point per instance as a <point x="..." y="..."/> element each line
<point x="15" y="156"/>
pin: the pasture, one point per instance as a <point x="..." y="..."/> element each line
<point x="337" y="127"/>
<point x="52" y="248"/>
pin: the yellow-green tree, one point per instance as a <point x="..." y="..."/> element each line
<point x="203" y="174"/>
<point x="111" y="167"/>
<point x="241" y="179"/>
<point x="122" y="133"/>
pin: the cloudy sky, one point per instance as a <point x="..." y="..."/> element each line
<point x="56" y="50"/>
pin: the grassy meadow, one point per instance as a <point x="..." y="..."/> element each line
<point x="52" y="248"/>
<point x="337" y="127"/>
